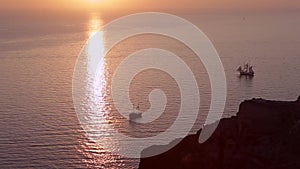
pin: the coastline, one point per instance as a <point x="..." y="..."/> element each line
<point x="263" y="134"/>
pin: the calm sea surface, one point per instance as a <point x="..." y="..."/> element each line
<point x="39" y="126"/>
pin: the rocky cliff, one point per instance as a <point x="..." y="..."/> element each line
<point x="263" y="135"/>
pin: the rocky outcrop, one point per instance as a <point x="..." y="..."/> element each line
<point x="263" y="135"/>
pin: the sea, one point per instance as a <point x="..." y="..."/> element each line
<point x="40" y="127"/>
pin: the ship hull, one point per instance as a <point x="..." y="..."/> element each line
<point x="246" y="74"/>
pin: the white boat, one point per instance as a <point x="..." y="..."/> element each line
<point x="135" y="115"/>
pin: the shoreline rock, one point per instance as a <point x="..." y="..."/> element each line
<point x="263" y="134"/>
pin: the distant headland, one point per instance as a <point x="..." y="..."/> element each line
<point x="263" y="134"/>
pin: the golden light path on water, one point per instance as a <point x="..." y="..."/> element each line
<point x="95" y="24"/>
<point x="97" y="109"/>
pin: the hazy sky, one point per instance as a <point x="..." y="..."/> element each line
<point x="153" y="4"/>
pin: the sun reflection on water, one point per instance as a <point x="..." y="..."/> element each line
<point x="96" y="87"/>
<point x="96" y="114"/>
<point x="98" y="128"/>
<point x="94" y="25"/>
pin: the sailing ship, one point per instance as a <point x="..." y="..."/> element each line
<point x="135" y="115"/>
<point x="246" y="70"/>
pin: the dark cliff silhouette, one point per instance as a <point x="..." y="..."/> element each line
<point x="263" y="135"/>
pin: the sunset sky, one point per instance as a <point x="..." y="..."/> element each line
<point x="151" y="4"/>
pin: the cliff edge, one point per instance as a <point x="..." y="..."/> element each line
<point x="263" y="135"/>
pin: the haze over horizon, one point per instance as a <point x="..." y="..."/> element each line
<point x="212" y="5"/>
